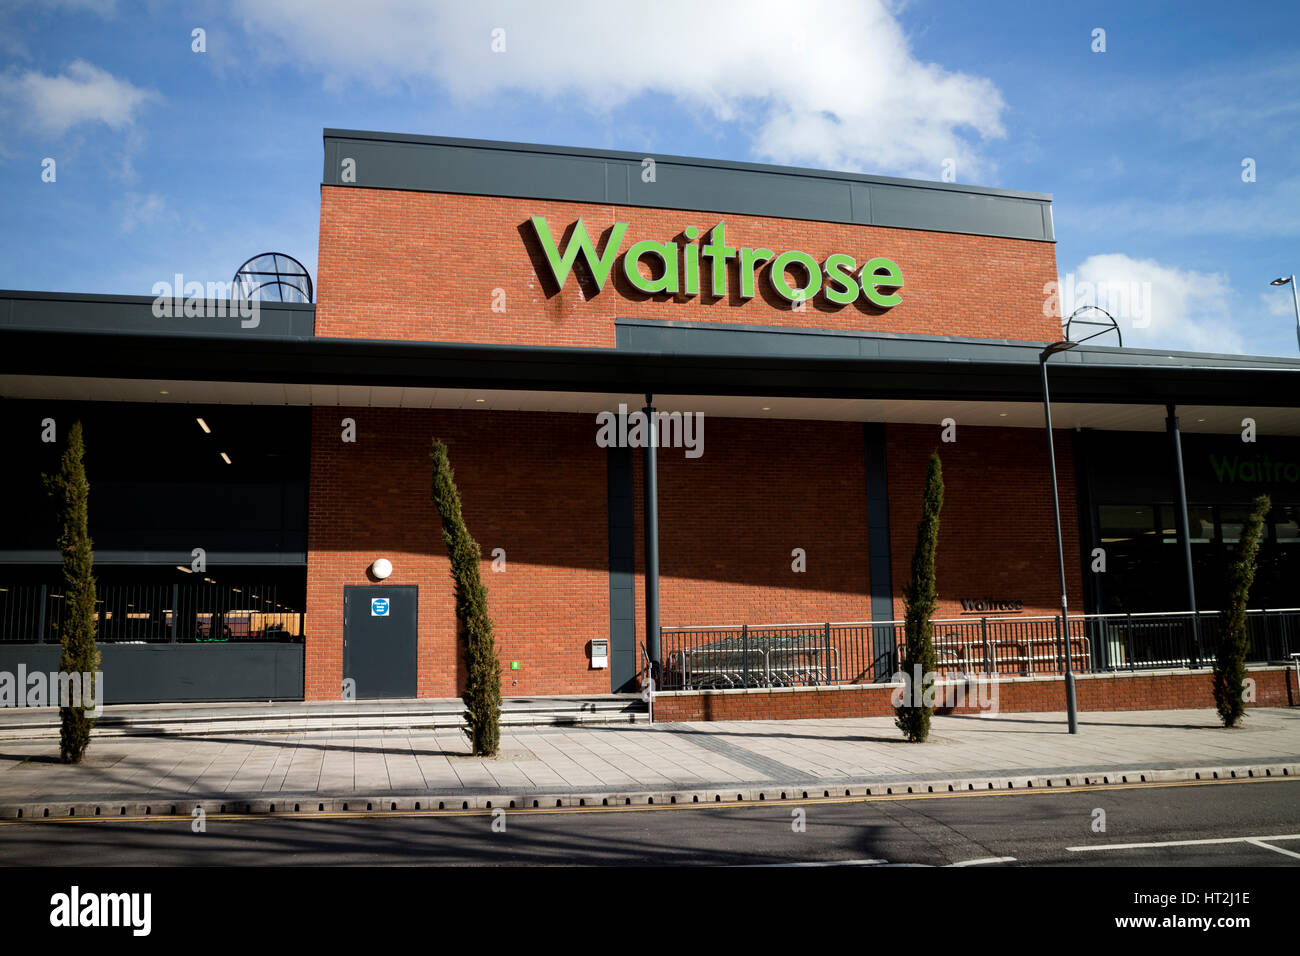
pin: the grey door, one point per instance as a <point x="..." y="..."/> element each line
<point x="379" y="640"/>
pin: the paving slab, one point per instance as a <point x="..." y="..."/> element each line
<point x="639" y="761"/>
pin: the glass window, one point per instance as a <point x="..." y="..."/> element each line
<point x="1286" y="524"/>
<point x="1126" y="523"/>
<point x="1231" y="520"/>
<point x="1200" y="524"/>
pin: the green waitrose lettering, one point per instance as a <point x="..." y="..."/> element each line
<point x="839" y="278"/>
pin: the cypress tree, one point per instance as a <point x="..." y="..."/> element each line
<point x="1230" y="655"/>
<point x="78" y="622"/>
<point x="482" y="695"/>
<point x="921" y="597"/>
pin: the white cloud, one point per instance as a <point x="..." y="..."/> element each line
<point x="831" y="83"/>
<point x="82" y="94"/>
<point x="1157" y="306"/>
<point x="148" y="210"/>
<point x="1277" y="304"/>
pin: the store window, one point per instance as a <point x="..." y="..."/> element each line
<point x="1232" y="520"/>
<point x="1200" y="524"/>
<point x="1126" y="523"/>
<point x="1286" y="524"/>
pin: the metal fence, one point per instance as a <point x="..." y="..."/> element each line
<point x="794" y="655"/>
<point x="154" y="614"/>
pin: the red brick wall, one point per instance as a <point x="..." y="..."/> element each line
<point x="996" y="532"/>
<point x="1274" y="688"/>
<point x="729" y="520"/>
<point x="426" y="266"/>
<point x="423" y="266"/>
<point x="533" y="484"/>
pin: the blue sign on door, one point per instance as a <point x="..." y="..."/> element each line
<point x="379" y="607"/>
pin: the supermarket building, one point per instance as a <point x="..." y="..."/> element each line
<point x="827" y="330"/>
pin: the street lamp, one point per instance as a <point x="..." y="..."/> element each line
<point x="1061" y="631"/>
<point x="1295" y="296"/>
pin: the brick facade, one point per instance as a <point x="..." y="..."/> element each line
<point x="997" y="537"/>
<point x="432" y="266"/>
<point x="533" y="484"/>
<point x="729" y="520"/>
<point x="427" y="266"/>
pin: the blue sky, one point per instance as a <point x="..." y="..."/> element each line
<point x="168" y="160"/>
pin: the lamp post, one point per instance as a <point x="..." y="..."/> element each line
<point x="1295" y="296"/>
<point x="1061" y="630"/>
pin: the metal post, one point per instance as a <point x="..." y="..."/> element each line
<point x="176" y="611"/>
<point x="1128" y="639"/>
<point x="1072" y="716"/>
<point x="40" y="633"/>
<point x="1295" y="298"/>
<point x="651" y="483"/>
<point x="988" y="648"/>
<point x="826" y="663"/>
<point x="1171" y="425"/>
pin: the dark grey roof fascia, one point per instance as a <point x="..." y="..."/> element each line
<point x="533" y="171"/>
<point x="672" y="337"/>
<point x="1002" y="373"/>
<point x="74" y="311"/>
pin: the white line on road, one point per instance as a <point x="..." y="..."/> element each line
<point x="1151" y="846"/>
<point x="822" y="863"/>
<point x="984" y="860"/>
<point x="1276" y="849"/>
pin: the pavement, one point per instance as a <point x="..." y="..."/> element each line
<point x="634" y="763"/>
<point x="256" y="717"/>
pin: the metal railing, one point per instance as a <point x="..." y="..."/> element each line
<point x="154" y="614"/>
<point x="793" y="655"/>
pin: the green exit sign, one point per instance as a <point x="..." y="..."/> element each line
<point x="514" y="665"/>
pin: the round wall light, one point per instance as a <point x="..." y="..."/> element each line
<point x="382" y="568"/>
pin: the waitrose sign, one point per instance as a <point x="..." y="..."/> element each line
<point x="677" y="268"/>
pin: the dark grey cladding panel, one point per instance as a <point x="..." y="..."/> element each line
<point x="453" y="169"/>
<point x="958" y="212"/>
<point x="162" y="673"/>
<point x="648" y="335"/>
<point x="485" y="168"/>
<point x="731" y="341"/>
<point x="135" y="313"/>
<point x="745" y="192"/>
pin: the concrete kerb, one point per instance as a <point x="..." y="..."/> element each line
<point x="791" y="792"/>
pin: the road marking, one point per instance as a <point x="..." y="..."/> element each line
<point x="1155" y="846"/>
<point x="984" y="860"/>
<point x="756" y="866"/>
<point x="1276" y="849"/>
<point x="721" y="805"/>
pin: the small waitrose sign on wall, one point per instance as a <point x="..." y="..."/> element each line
<point x="677" y="267"/>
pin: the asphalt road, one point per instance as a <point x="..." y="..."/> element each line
<point x="1015" y="828"/>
